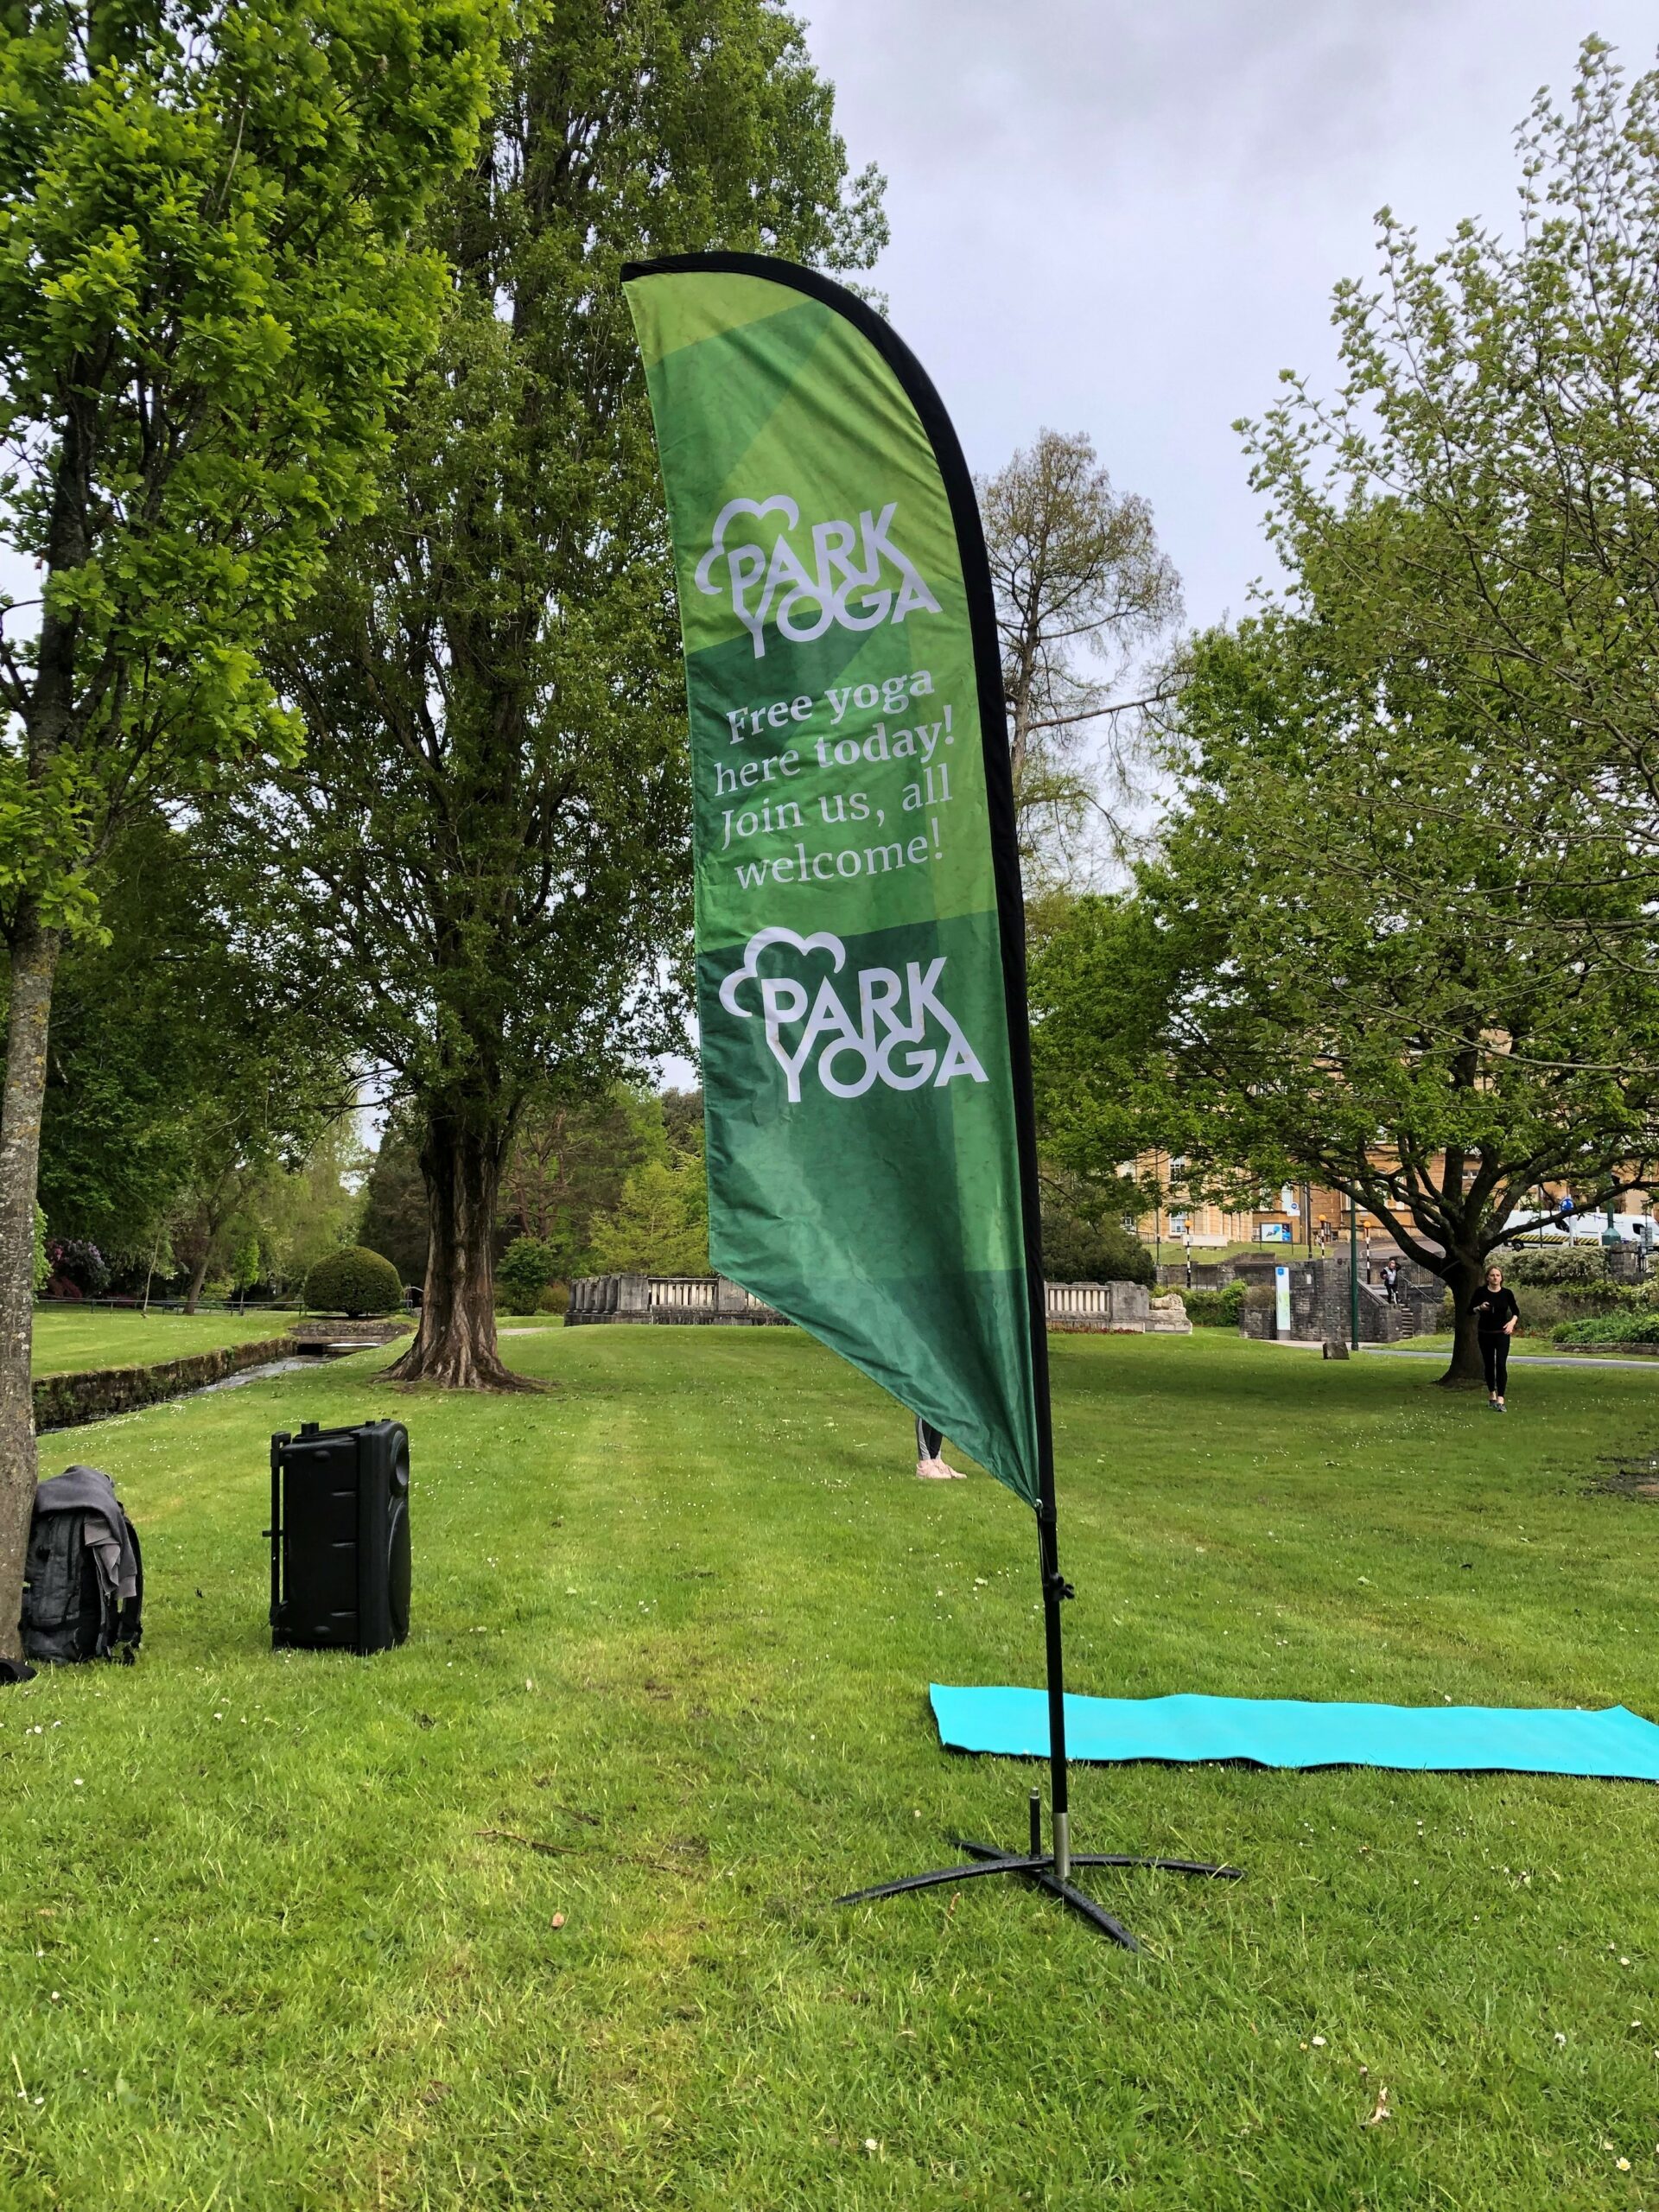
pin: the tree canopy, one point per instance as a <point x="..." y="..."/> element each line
<point x="184" y="1108"/>
<point x="1082" y="586"/>
<point x="1475" y="504"/>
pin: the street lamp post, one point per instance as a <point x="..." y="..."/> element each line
<point x="1353" y="1271"/>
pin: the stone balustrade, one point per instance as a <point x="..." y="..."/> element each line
<point x="1097" y="1307"/>
<point x="679" y="1300"/>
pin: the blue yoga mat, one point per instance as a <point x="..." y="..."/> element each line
<point x="1285" y="1731"/>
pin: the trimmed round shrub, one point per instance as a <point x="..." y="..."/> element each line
<point x="1084" y="1252"/>
<point x="354" y="1281"/>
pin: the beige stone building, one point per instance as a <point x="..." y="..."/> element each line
<point x="1302" y="1211"/>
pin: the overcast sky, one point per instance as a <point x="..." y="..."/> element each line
<point x="1127" y="218"/>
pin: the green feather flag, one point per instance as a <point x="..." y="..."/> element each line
<point x="859" y="936"/>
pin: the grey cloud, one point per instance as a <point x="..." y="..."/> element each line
<point x="1126" y="218"/>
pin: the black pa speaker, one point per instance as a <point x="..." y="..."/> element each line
<point x="340" y="1565"/>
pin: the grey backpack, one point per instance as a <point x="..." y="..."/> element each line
<point x="84" y="1575"/>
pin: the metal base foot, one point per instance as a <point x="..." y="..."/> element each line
<point x="1039" y="1867"/>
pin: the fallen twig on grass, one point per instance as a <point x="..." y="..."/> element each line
<point x="568" y="1850"/>
<point x="529" y="1842"/>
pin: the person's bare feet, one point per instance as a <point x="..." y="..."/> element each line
<point x="935" y="1470"/>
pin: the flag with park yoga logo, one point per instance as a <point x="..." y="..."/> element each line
<point x="859" y="931"/>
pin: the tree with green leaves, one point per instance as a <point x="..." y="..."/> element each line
<point x="1330" y="967"/>
<point x="266" y="1147"/>
<point x="486" y="847"/>
<point x="305" y="1208"/>
<point x="569" y="1159"/>
<point x="181" y="1101"/>
<point x="659" y="1225"/>
<point x="206" y="299"/>
<point x="394" y="1220"/>
<point x="523" y="1273"/>
<point x="1097" y="1249"/>
<point x="1475" y="504"/>
<point x="1082" y="588"/>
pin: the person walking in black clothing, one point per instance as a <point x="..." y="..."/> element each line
<point x="1497" y="1318"/>
<point x="1390" y="1282"/>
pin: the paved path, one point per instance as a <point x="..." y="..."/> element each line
<point x="1516" y="1358"/>
<point x="1520" y="1358"/>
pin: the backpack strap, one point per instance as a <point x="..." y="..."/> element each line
<point x="130" y="1622"/>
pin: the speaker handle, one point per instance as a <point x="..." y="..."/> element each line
<point x="275" y="1531"/>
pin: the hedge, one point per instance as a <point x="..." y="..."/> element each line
<point x="1610" y="1329"/>
<point x="1215" y="1309"/>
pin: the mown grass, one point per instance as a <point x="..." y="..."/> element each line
<point x="282" y="1932"/>
<point x="66" y="1340"/>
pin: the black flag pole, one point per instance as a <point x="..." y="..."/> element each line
<point x="1050" y="1868"/>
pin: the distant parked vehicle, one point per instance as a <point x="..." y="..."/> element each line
<point x="1633" y="1229"/>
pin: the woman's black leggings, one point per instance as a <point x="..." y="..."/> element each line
<point x="1495" y="1358"/>
<point x="928" y="1440"/>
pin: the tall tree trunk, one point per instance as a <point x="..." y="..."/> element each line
<point x="34" y="963"/>
<point x="462" y="1157"/>
<point x="198" y="1276"/>
<point x="1464" y="1274"/>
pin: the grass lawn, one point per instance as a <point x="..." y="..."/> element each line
<point x="283" y="1932"/>
<point x="68" y="1339"/>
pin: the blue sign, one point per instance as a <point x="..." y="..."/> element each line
<point x="1275" y="1232"/>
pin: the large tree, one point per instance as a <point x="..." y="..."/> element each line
<point x="1402" y="933"/>
<point x="487" y="843"/>
<point x="1082" y="588"/>
<point x="1332" y="967"/>
<point x="205" y="300"/>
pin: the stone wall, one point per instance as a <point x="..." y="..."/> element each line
<point x="65" y="1401"/>
<point x="1320" y="1302"/>
<point x="343" y="1332"/>
<point x="1100" y="1308"/>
